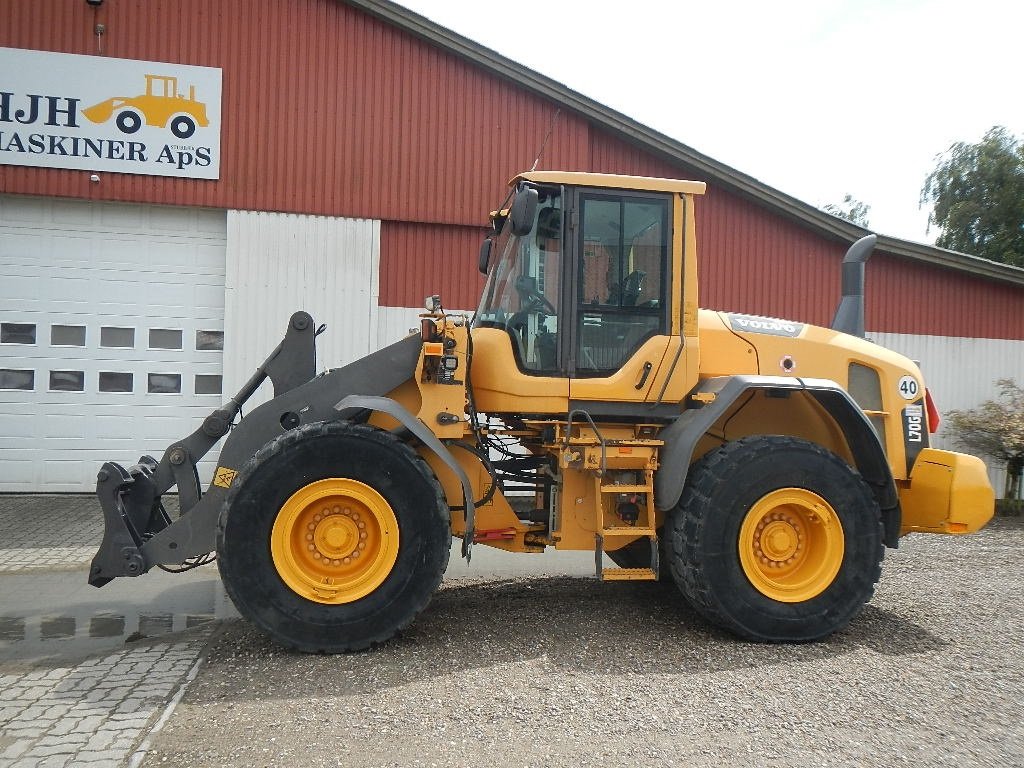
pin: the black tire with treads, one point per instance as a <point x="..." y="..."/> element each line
<point x="704" y="534"/>
<point x="294" y="460"/>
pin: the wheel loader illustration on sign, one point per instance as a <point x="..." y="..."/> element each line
<point x="161" y="104"/>
<point x="762" y="465"/>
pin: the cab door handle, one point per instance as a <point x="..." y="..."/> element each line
<point x="643" y="375"/>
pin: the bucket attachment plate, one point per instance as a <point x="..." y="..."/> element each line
<point x="131" y="513"/>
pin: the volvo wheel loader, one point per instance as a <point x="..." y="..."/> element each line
<point x="760" y="464"/>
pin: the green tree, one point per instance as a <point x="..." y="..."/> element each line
<point x="996" y="429"/>
<point x="850" y="209"/>
<point x="978" y="195"/>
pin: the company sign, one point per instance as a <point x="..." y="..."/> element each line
<point x="61" y="110"/>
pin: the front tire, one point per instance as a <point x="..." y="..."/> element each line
<point x="776" y="540"/>
<point x="333" y="538"/>
<point x="183" y="126"/>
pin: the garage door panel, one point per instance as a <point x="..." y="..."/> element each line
<point x="59" y="288"/>
<point x="148" y="282"/>
<point x="100" y="385"/>
<point x="65" y="428"/>
<point x="14" y="427"/>
<point x="80" y="273"/>
<point x="22" y="209"/>
<point x="16" y="247"/>
<point x="116" y="427"/>
<point x="57" y="472"/>
<point x="67" y="251"/>
<point x="158" y="255"/>
<point x="211" y="222"/>
<point x="84" y="293"/>
<point x="75" y="213"/>
<point x="36" y="470"/>
<point x="21" y="467"/>
<point x="156" y="426"/>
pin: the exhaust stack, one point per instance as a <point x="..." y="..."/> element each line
<point x="849" y="317"/>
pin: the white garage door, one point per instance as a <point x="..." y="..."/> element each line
<point x="111" y="335"/>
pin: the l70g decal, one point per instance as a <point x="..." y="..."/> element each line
<point x="915" y="431"/>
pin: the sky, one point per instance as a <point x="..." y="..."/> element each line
<point x="817" y="99"/>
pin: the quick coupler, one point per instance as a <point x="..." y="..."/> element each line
<point x="131" y="514"/>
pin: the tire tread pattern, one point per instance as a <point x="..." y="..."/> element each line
<point x="689" y="519"/>
<point x="287" y="442"/>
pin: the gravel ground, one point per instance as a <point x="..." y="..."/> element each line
<point x="574" y="672"/>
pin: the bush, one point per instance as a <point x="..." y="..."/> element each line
<point x="996" y="429"/>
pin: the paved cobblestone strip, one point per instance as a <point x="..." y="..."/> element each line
<point x="47" y="532"/>
<point x="48" y="559"/>
<point x="92" y="714"/>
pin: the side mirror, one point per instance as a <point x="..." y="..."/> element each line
<point x="485" y="254"/>
<point x="523" y="211"/>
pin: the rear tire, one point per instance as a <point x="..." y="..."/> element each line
<point x="776" y="540"/>
<point x="333" y="538"/>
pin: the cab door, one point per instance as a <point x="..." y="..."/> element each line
<point x="619" y="293"/>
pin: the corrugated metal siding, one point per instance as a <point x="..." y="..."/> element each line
<point x="420" y="259"/>
<point x="952" y="367"/>
<point x="908" y="297"/>
<point x="280" y="263"/>
<point x="752" y="261"/>
<point x="610" y="154"/>
<point x="326" y="110"/>
<point x="394" y="323"/>
<point x="330" y="111"/>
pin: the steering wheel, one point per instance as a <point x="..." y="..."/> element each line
<point x="632" y="286"/>
<point x="537" y="302"/>
<point x="532" y="299"/>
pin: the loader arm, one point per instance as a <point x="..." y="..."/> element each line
<point x="139" y="535"/>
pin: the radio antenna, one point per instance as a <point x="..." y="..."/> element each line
<point x="544" y="144"/>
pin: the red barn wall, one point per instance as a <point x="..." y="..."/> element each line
<point x="329" y="111"/>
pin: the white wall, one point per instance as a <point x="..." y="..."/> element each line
<point x="280" y="263"/>
<point x="960" y="373"/>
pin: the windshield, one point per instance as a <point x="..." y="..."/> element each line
<point x="522" y="290"/>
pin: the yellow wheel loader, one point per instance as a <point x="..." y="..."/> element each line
<point x="162" y="103"/>
<point x="760" y="464"/>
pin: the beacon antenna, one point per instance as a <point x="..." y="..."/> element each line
<point x="544" y="144"/>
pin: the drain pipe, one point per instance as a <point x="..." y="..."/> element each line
<point x="849" y="317"/>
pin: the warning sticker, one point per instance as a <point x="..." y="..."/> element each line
<point x="224" y="477"/>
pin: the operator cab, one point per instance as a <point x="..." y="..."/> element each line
<point x="582" y="276"/>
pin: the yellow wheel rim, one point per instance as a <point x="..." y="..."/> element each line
<point x="334" y="541"/>
<point x="791" y="545"/>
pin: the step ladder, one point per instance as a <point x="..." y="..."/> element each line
<point x="609" y="461"/>
<point x="643" y="527"/>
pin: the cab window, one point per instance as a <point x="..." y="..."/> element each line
<point x="523" y="290"/>
<point x="622" y="278"/>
